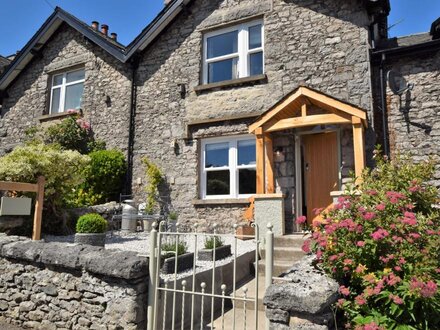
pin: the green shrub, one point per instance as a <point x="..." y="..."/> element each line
<point x="154" y="178"/>
<point x="173" y="216"/>
<point x="104" y="178"/>
<point x="72" y="133"/>
<point x="61" y="168"/>
<point x="209" y="242"/>
<point x="170" y="248"/>
<point x="383" y="245"/>
<point x="91" y="223"/>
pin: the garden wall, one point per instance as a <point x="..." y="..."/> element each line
<point x="303" y="300"/>
<point x="59" y="285"/>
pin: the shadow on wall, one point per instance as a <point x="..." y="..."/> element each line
<point x="405" y="108"/>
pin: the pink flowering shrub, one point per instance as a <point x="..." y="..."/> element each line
<point x="382" y="243"/>
<point x="73" y="133"/>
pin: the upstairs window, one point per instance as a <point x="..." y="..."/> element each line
<point x="67" y="91"/>
<point x="228" y="167"/>
<point x="234" y="52"/>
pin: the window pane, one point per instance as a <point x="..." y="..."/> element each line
<point x="223" y="44"/>
<point x="246" y="152"/>
<point x="55" y="100"/>
<point x="58" y="80"/>
<point x="217" y="183"/>
<point x="256" y="63"/>
<point x="73" y="96"/>
<point x="217" y="155"/>
<point x="222" y="70"/>
<point x="247" y="180"/>
<point x="255" y="36"/>
<point x="75" y="76"/>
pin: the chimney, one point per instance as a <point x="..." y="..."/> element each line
<point x="166" y="2"/>
<point x="104" y="29"/>
<point x="95" y="25"/>
<point x="114" y="36"/>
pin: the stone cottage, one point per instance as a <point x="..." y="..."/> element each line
<point x="230" y="98"/>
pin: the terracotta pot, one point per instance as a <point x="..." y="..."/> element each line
<point x="244" y="231"/>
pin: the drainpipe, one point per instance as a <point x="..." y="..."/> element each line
<point x="131" y="129"/>
<point x="384" y="105"/>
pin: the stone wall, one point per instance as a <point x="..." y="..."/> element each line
<point x="303" y="301"/>
<point x="413" y="121"/>
<point x="106" y="97"/>
<point x="323" y="45"/>
<point x="65" y="286"/>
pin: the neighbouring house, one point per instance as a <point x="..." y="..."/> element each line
<point x="4" y="62"/>
<point x="233" y="99"/>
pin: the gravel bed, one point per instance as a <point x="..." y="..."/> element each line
<point x="139" y="242"/>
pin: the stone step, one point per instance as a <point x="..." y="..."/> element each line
<point x="279" y="267"/>
<point x="292" y="240"/>
<point x="251" y="294"/>
<point x="285" y="254"/>
<point x="228" y="322"/>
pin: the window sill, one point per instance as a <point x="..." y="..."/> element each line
<point x="58" y="116"/>
<point x="226" y="201"/>
<point x="262" y="78"/>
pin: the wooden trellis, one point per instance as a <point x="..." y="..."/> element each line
<point x="37" y="188"/>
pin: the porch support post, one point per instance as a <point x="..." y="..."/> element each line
<point x="358" y="144"/>
<point x="270" y="181"/>
<point x="260" y="160"/>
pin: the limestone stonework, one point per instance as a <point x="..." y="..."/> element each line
<point x="64" y="286"/>
<point x="106" y="98"/>
<point x="323" y="45"/>
<point x="413" y="120"/>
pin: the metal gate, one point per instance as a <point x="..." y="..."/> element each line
<point x="210" y="294"/>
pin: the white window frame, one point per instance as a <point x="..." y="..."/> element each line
<point x="243" y="52"/>
<point x="62" y="88"/>
<point x="233" y="167"/>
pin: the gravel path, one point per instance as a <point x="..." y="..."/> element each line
<point x="139" y="242"/>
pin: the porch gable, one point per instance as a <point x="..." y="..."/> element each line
<point x="295" y="111"/>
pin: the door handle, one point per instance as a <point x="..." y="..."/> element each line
<point x="307" y="167"/>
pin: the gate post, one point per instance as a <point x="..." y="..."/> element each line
<point x="152" y="278"/>
<point x="269" y="261"/>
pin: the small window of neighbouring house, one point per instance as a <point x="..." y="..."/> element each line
<point x="66" y="91"/>
<point x="228" y="167"/>
<point x="234" y="52"/>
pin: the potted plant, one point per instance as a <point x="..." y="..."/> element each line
<point x="221" y="251"/>
<point x="172" y="221"/>
<point x="185" y="260"/>
<point x="90" y="229"/>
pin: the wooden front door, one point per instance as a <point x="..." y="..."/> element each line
<point x="321" y="171"/>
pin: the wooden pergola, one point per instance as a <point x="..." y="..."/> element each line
<point x="294" y="112"/>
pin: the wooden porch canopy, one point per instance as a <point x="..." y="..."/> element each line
<point x="298" y="109"/>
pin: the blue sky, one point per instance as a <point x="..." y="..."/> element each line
<point x="20" y="19"/>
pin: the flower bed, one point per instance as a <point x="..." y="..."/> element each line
<point x="383" y="247"/>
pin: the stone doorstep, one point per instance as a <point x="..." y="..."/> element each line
<point x="279" y="267"/>
<point x="239" y="304"/>
<point x="292" y="240"/>
<point x="291" y="254"/>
